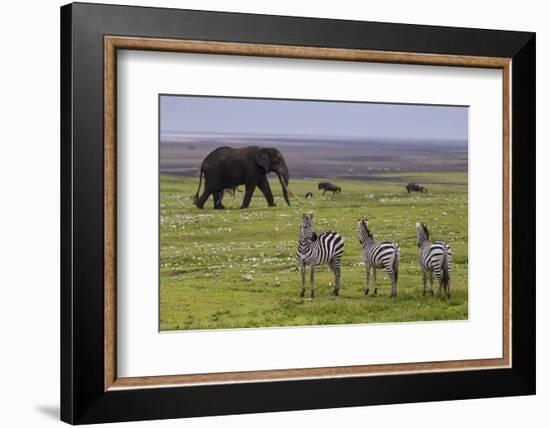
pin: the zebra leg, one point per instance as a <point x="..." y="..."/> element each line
<point x="303" y="273"/>
<point x="431" y="283"/>
<point x="335" y="268"/>
<point x="367" y="272"/>
<point x="374" y="280"/>
<point x="425" y="280"/>
<point x="449" y="288"/>
<point x="311" y="277"/>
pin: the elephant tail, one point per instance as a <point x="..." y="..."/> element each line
<point x="196" y="197"/>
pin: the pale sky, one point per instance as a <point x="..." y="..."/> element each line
<point x="202" y="115"/>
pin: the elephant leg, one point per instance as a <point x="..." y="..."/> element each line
<point x="203" y="198"/>
<point x="263" y="185"/>
<point x="218" y="197"/>
<point x="249" y="191"/>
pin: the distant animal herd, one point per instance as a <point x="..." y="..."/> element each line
<point x="330" y="187"/>
<point x="328" y="247"/>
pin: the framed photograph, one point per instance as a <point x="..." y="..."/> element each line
<point x="266" y="213"/>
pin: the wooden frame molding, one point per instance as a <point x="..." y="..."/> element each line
<point x="113" y="43"/>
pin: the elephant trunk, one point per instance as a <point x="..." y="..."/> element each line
<point x="282" y="173"/>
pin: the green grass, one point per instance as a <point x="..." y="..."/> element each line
<point x="237" y="268"/>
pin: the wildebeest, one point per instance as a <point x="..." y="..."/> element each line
<point x="329" y="187"/>
<point x="309" y="195"/>
<point x="415" y="187"/>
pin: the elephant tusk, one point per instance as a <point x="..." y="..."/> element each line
<point x="290" y="193"/>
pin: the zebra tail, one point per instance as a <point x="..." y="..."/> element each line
<point x="196" y="197"/>
<point x="445" y="266"/>
<point x="395" y="265"/>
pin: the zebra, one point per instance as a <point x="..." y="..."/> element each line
<point x="316" y="250"/>
<point x="385" y="254"/>
<point x="435" y="258"/>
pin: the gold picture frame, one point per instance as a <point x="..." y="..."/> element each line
<point x="114" y="43"/>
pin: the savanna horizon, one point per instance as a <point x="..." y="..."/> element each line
<point x="323" y="157"/>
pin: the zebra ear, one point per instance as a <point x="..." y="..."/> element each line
<point x="311" y="216"/>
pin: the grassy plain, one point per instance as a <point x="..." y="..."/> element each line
<point x="237" y="268"/>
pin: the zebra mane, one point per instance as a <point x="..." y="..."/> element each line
<point x="426" y="231"/>
<point x="369" y="233"/>
<point x="365" y="227"/>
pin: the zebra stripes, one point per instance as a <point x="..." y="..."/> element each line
<point x="435" y="259"/>
<point x="328" y="248"/>
<point x="316" y="250"/>
<point x="385" y="254"/>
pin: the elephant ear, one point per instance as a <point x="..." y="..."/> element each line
<point x="263" y="159"/>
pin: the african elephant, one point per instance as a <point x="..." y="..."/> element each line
<point x="228" y="167"/>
